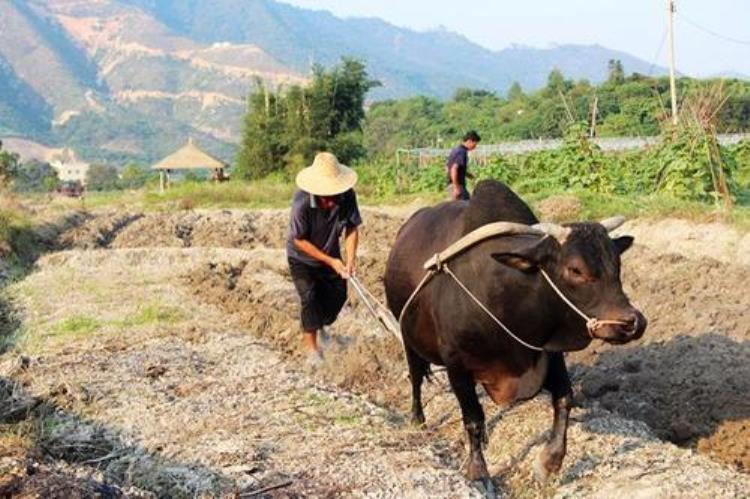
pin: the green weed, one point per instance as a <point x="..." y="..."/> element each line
<point x="79" y="325"/>
<point x="347" y="420"/>
<point x="153" y="314"/>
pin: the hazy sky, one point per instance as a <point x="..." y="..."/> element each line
<point x="635" y="26"/>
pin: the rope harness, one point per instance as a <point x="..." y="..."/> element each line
<point x="592" y="323"/>
<point x="438" y="264"/>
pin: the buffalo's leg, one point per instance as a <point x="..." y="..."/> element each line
<point x="418" y="369"/>
<point x="463" y="385"/>
<point x="558" y="384"/>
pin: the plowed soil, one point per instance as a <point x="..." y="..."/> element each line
<point x="686" y="378"/>
<point x="686" y="382"/>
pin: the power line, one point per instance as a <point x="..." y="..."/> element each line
<point x="653" y="86"/>
<point x="712" y="32"/>
<point x="658" y="53"/>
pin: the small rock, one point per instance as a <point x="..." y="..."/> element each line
<point x="631" y="366"/>
<point x="597" y="387"/>
<point x="31" y="469"/>
<point x="155" y="371"/>
<point x="682" y="431"/>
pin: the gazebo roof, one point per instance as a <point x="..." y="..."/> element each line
<point x="189" y="157"/>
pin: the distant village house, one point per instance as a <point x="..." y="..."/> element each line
<point x="69" y="167"/>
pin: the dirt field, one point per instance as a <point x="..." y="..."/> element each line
<point x="157" y="356"/>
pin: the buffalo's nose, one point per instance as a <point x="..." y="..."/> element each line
<point x="634" y="324"/>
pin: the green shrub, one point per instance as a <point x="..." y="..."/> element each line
<point x="17" y="242"/>
<point x="690" y="166"/>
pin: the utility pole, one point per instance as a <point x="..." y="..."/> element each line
<point x="594" y="112"/>
<point x="672" y="85"/>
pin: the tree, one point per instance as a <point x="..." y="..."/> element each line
<point x="284" y="129"/>
<point x="8" y="166"/>
<point x="102" y="178"/>
<point x="134" y="176"/>
<point x="470" y="94"/>
<point x="516" y="92"/>
<point x="264" y="137"/>
<point x="35" y="176"/>
<point x="556" y="82"/>
<point x="336" y="104"/>
<point x="615" y="71"/>
<point x="633" y="107"/>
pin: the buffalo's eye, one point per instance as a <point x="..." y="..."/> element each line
<point x="576" y="274"/>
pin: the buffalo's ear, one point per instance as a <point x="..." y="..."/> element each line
<point x="527" y="258"/>
<point x="622" y="244"/>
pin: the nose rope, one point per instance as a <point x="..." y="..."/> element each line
<point x="592" y="323"/>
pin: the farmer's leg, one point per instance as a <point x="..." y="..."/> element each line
<point x="331" y="292"/>
<point x="305" y="283"/>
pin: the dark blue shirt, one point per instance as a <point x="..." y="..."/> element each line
<point x="458" y="156"/>
<point x="323" y="228"/>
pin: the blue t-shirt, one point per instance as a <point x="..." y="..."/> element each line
<point x="323" y="228"/>
<point x="458" y="156"/>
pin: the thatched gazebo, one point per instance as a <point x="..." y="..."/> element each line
<point x="189" y="157"/>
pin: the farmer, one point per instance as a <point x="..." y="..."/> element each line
<point x="324" y="207"/>
<point x="456" y="166"/>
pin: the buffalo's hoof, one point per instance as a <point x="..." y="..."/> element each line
<point x="476" y="470"/>
<point x="418" y="420"/>
<point x="487" y="488"/>
<point x="546" y="465"/>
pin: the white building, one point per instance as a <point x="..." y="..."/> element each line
<point x="68" y="166"/>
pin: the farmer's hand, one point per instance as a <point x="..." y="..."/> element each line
<point x="457" y="192"/>
<point x="340" y="268"/>
<point x="351" y="267"/>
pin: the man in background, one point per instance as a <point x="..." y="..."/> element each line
<point x="456" y="166"/>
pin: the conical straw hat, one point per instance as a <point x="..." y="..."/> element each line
<point x="326" y="176"/>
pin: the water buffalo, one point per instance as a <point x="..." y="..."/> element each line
<point x="444" y="326"/>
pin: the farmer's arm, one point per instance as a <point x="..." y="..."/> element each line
<point x="351" y="242"/>
<point x="454" y="181"/>
<point x="351" y="236"/>
<point x="313" y="251"/>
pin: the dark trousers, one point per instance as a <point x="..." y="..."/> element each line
<point x="322" y="294"/>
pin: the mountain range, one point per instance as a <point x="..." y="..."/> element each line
<point x="130" y="79"/>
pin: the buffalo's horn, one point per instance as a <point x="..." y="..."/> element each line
<point x="557" y="231"/>
<point x="612" y="223"/>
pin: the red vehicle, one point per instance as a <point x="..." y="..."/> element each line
<point x="73" y="189"/>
